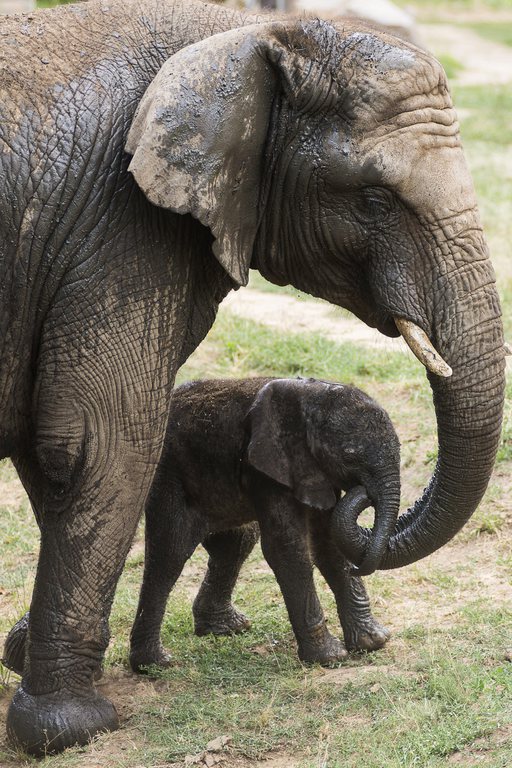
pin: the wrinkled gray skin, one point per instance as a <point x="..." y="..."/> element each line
<point x="326" y="157"/>
<point x="277" y="452"/>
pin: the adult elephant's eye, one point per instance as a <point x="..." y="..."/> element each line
<point x="376" y="203"/>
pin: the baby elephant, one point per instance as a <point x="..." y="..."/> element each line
<point x="277" y="452"/>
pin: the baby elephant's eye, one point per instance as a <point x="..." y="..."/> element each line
<point x="350" y="453"/>
<point x="377" y="203"/>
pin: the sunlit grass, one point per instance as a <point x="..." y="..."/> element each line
<point x="52" y="3"/>
<point x="451" y="65"/>
<point x="244" y="347"/>
<point x="430" y="10"/>
<point x="498" y="32"/>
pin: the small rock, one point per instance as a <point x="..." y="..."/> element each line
<point x="260" y="650"/>
<point x="218" y="744"/>
<point x="195" y="759"/>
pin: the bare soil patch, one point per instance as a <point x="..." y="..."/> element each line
<point x="289" y="315"/>
<point x="475" y="755"/>
<point x="12" y="494"/>
<point x="484" y="61"/>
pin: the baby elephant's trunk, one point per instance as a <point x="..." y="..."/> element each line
<point x="364" y="547"/>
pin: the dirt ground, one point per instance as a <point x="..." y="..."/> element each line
<point x="484" y="61"/>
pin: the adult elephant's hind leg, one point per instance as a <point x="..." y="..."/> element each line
<point x="214" y="612"/>
<point x="15" y="643"/>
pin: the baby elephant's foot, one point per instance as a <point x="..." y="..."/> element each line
<point x="322" y="648"/>
<point x="144" y="656"/>
<point x="220" y="621"/>
<point x="366" y="636"/>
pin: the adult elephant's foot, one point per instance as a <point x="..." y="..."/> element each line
<point x="14" y="646"/>
<point x="50" y="722"/>
<point x="219" y="620"/>
<point x="322" y="648"/>
<point x="366" y="636"/>
<point x="148" y="655"/>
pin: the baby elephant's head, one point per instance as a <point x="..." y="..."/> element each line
<point x="318" y="439"/>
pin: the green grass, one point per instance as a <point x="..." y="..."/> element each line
<point x="489" y="118"/>
<point x="412" y="705"/>
<point x="494" y="31"/>
<point x="53" y="3"/>
<point x="455" y="5"/>
<point x="451" y="65"/>
<point x="247" y="348"/>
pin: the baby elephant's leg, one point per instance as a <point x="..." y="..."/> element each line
<point x="284" y="541"/>
<point x="214" y="613"/>
<point x="171" y="538"/>
<point x="362" y="632"/>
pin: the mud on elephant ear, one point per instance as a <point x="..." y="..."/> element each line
<point x="199" y="134"/>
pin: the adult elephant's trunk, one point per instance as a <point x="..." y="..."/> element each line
<point x="468" y="439"/>
<point x="468" y="407"/>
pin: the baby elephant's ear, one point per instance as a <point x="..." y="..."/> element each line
<point x="278" y="444"/>
<point x="198" y="136"/>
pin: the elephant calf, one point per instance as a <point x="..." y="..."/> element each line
<point x="277" y="452"/>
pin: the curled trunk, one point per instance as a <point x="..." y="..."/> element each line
<point x="387" y="506"/>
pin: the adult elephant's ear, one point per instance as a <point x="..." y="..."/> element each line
<point x="279" y="444"/>
<point x="199" y="133"/>
<point x="198" y="136"/>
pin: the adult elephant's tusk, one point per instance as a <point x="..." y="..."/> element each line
<point x="421" y="346"/>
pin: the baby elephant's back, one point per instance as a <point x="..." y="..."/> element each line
<point x="207" y="431"/>
<point x="214" y="406"/>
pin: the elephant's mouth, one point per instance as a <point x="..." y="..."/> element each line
<point x="379" y="319"/>
<point x="387" y="326"/>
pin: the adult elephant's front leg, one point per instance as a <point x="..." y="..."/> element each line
<point x="95" y="450"/>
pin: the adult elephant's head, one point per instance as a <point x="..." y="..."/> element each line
<point x="329" y="157"/>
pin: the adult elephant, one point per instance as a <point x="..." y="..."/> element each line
<point x="326" y="157"/>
